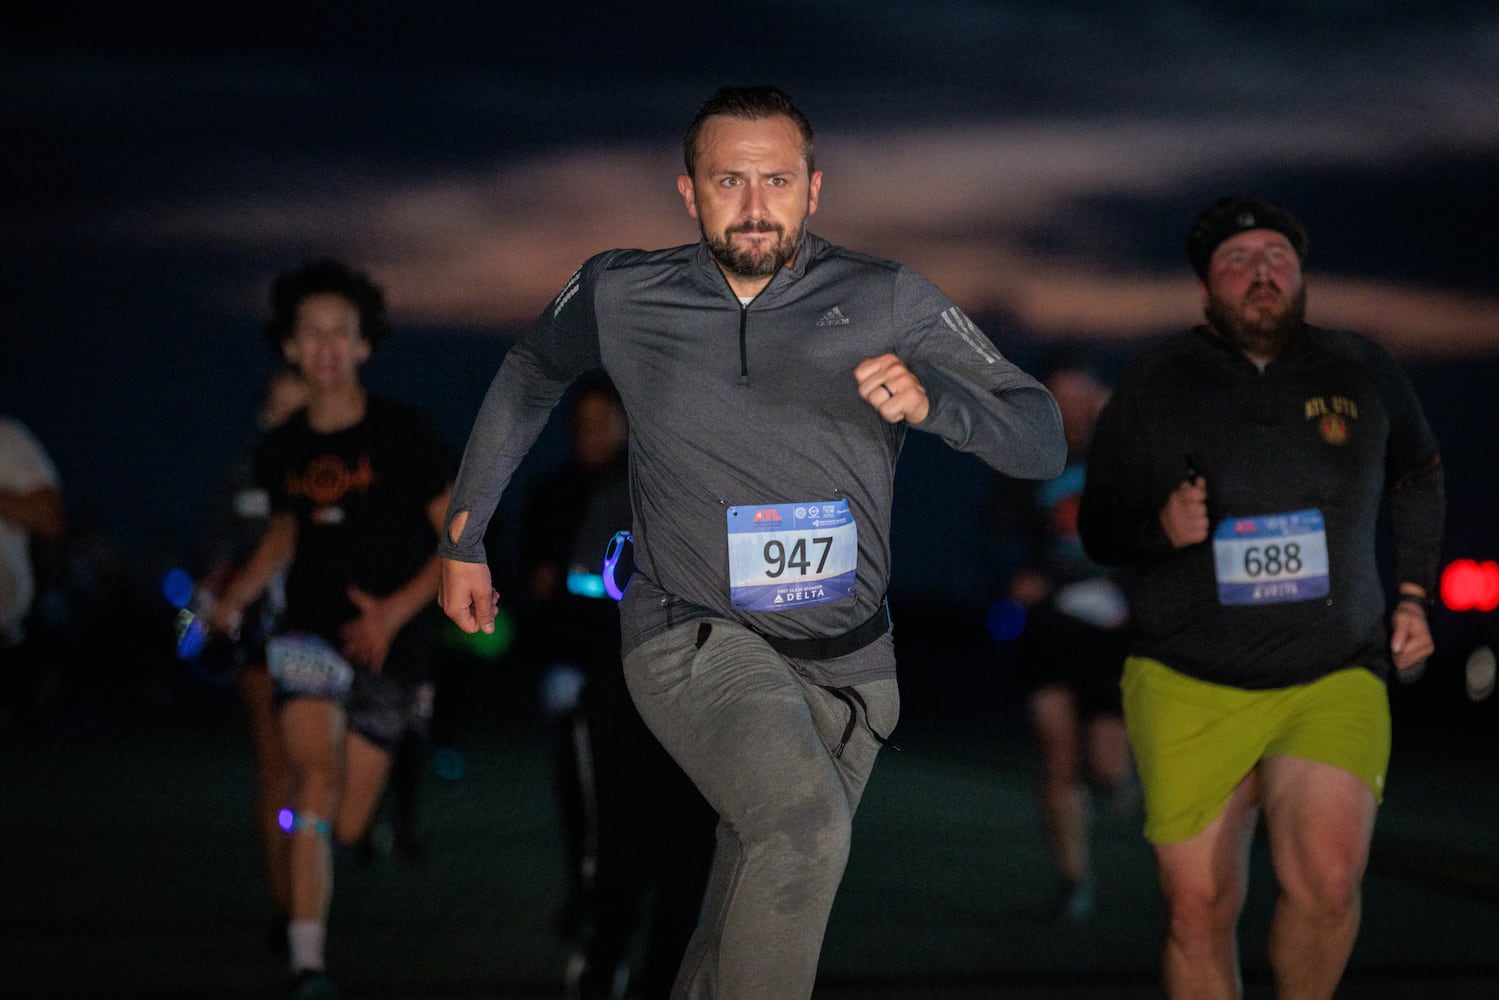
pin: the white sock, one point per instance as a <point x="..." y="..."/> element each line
<point x="304" y="939"/>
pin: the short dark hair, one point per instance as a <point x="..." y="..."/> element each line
<point x="321" y="276"/>
<point x="1235" y="214"/>
<point x="761" y="101"/>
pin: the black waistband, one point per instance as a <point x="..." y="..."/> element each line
<point x="839" y="645"/>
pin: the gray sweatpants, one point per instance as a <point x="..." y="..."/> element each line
<point x="766" y="747"/>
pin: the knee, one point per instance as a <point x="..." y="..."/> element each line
<point x="1059" y="761"/>
<point x="314" y="788"/>
<point x="809" y="839"/>
<point x="1330" y="889"/>
<point x="1204" y="911"/>
<point x="821" y="834"/>
<point x="834" y="838"/>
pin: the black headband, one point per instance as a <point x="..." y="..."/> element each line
<point x="1233" y="215"/>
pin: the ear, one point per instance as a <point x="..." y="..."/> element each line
<point x="1202" y="288"/>
<point x="685" y="189"/>
<point x="290" y="353"/>
<point x="814" y="186"/>
<point x="362" y="349"/>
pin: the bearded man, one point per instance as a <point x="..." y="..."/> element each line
<point x="1238" y="472"/>
<point x="769" y="378"/>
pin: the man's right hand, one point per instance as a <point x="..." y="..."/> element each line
<point x="467" y="595"/>
<point x="1185" y="515"/>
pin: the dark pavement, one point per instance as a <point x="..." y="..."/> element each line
<point x="130" y="870"/>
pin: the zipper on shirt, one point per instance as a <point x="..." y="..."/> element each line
<point x="743" y="344"/>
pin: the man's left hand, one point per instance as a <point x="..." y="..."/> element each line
<point x="891" y="388"/>
<point x="1410" y="639"/>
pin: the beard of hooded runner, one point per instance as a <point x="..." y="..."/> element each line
<point x="744" y="264"/>
<point x="1264" y="335"/>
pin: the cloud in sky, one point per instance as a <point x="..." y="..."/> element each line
<point x="1036" y="160"/>
<point x="489" y="248"/>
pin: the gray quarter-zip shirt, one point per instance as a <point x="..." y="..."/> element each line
<point x="743" y="408"/>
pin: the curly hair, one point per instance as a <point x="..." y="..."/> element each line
<point x="318" y="277"/>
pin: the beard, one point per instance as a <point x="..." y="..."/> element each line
<point x="1256" y="330"/>
<point x="752" y="263"/>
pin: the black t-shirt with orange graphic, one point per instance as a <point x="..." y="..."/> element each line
<point x="360" y="499"/>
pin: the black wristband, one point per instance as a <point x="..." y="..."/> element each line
<point x="1424" y="603"/>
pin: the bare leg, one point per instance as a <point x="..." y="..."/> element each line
<point x="1064" y="804"/>
<point x="1109" y="761"/>
<point x="1204" y="881"/>
<point x="313" y="730"/>
<point x="1320" y="820"/>
<point x="366" y="766"/>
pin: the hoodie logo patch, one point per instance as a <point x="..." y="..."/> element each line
<point x="833" y="317"/>
<point x="1334" y="417"/>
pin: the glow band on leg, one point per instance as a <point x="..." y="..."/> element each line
<point x="291" y="822"/>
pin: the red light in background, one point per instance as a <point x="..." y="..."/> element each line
<point x="1469" y="585"/>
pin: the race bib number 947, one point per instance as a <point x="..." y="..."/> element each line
<point x="791" y="555"/>
<point x="1265" y="560"/>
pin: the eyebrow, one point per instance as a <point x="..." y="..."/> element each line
<point x="1281" y="246"/>
<point x="755" y="171"/>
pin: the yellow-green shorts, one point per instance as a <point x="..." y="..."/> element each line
<point x="1194" y="741"/>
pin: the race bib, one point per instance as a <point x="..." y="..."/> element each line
<point x="302" y="663"/>
<point x="1270" y="559"/>
<point x="791" y="555"/>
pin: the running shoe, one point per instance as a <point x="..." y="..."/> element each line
<point x="313" y="984"/>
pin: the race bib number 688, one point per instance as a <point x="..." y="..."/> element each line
<point x="791" y="555"/>
<point x="1267" y="560"/>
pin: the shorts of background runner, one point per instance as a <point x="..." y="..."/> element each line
<point x="1057" y="649"/>
<point x="384" y="709"/>
<point x="1194" y="741"/>
<point x="381" y="708"/>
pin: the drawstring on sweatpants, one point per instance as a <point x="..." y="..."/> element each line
<point x="855" y="701"/>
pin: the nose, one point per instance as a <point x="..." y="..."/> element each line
<point x="1260" y="263"/>
<point x="754" y="202"/>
